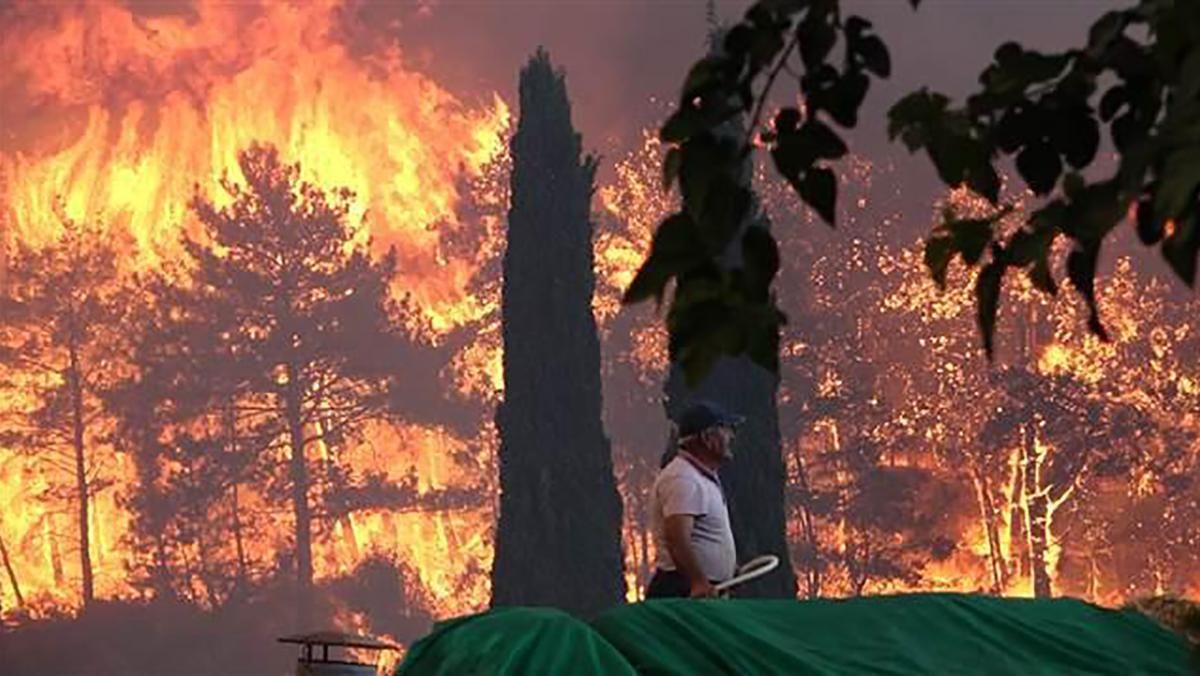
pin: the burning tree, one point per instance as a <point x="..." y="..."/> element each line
<point x="558" y="539"/>
<point x="60" y="349"/>
<point x="284" y="328"/>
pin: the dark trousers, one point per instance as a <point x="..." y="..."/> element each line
<point x="668" y="584"/>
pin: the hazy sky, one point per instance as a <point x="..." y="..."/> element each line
<point x="621" y="54"/>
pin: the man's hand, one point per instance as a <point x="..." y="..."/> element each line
<point x="702" y="589"/>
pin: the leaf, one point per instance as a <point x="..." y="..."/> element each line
<point x="875" y="56"/>
<point x="1078" y="139"/>
<point x="671" y="164"/>
<point x="938" y="253"/>
<point x="971" y="236"/>
<point x="818" y="189"/>
<point x="1149" y="228"/>
<point x="846" y="97"/>
<point x="822" y="140"/>
<point x="816" y="36"/>
<point x="912" y="117"/>
<point x="1015" y="129"/>
<point x="1040" y="276"/>
<point x="1081" y="270"/>
<point x="760" y="256"/>
<point x="1112" y="102"/>
<point x="701" y="77"/>
<point x="726" y="207"/>
<point x="676" y="246"/>
<point x="1176" y="191"/>
<point x="1181" y="247"/>
<point x="681" y="125"/>
<point x="987" y="301"/>
<point x="1039" y="166"/>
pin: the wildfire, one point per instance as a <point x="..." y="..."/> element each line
<point x="117" y="115"/>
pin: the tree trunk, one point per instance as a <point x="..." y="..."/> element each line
<point x="1037" y="506"/>
<point x="235" y="509"/>
<point x="812" y="574"/>
<point x="987" y="516"/>
<point x="56" y="562"/>
<point x="74" y="381"/>
<point x="300" y="509"/>
<point x="12" y="574"/>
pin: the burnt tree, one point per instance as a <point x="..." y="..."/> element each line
<point x="60" y="349"/>
<point x="558" y="540"/>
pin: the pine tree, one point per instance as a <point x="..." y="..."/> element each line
<point x="558" y="540"/>
<point x="294" y="320"/>
<point x="60" y="350"/>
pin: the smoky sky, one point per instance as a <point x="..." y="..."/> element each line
<point x="625" y="59"/>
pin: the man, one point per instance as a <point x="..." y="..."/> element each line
<point x="689" y="516"/>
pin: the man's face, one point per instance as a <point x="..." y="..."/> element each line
<point x="720" y="442"/>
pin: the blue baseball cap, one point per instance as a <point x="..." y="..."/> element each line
<point x="703" y="415"/>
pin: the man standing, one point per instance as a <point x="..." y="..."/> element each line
<point x="689" y="516"/>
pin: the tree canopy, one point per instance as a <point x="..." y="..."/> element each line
<point x="1138" y="75"/>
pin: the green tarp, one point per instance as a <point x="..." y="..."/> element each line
<point x="905" y="634"/>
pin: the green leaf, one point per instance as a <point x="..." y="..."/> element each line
<point x="938" y="253"/>
<point x="1039" y="166"/>
<point x="671" y="164"/>
<point x="760" y="256"/>
<point x="987" y="301"/>
<point x="1081" y="270"/>
<point x="818" y="189"/>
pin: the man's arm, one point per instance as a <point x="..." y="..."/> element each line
<point x="678" y="531"/>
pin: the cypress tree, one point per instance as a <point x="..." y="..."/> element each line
<point x="558" y="540"/>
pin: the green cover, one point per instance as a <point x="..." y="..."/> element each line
<point x="905" y="634"/>
<point x="513" y="642"/>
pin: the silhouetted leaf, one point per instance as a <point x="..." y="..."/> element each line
<point x="818" y="189"/>
<point x="1081" y="270"/>
<point x="1079" y="139"/>
<point x="1180" y="248"/>
<point x="987" y="300"/>
<point x="875" y="56"/>
<point x="1177" y="189"/>
<point x="1149" y="228"/>
<point x="1039" y="166"/>
<point x="1040" y="276"/>
<point x="760" y="255"/>
<point x="675" y="247"/>
<point x="846" y="97"/>
<point x="1112" y="101"/>
<point x="822" y="140"/>
<point x="816" y="37"/>
<point x="682" y="124"/>
<point x="671" y="165"/>
<point x="939" y="251"/>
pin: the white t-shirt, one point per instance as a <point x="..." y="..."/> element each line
<point x="684" y="488"/>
